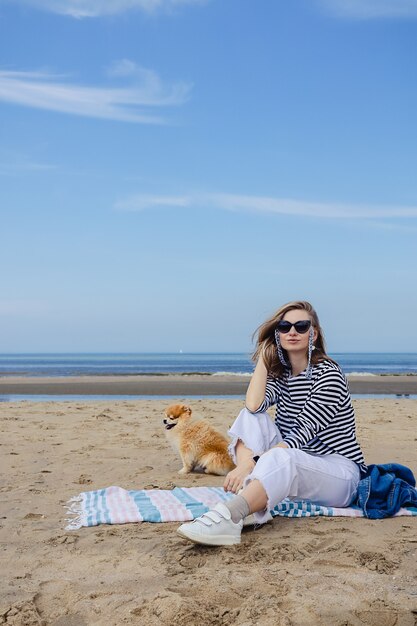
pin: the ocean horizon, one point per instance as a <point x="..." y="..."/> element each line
<point x="157" y="363"/>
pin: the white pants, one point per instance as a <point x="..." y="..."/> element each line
<point x="330" y="480"/>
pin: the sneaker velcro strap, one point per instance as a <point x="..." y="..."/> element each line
<point x="213" y="516"/>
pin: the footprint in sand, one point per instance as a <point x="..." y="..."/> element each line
<point x="194" y="558"/>
<point x="34" y="516"/>
<point x="23" y="613"/>
<point x="145" y="468"/>
<point x="376" y="562"/>
<point x="171" y="608"/>
<point x="383" y="616"/>
<point x="62" y="539"/>
<point x="84" y="479"/>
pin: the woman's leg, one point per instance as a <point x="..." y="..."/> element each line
<point x="252" y="435"/>
<point x="280" y="473"/>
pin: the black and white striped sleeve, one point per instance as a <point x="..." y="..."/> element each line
<point x="319" y="410"/>
<point x="271" y="395"/>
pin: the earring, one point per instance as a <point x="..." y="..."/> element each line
<point x="311" y="347"/>
<point x="279" y="350"/>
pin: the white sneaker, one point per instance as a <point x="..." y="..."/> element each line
<point x="214" y="528"/>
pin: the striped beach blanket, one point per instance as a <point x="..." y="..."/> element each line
<point x="114" y="505"/>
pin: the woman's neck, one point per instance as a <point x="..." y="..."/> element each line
<point x="298" y="363"/>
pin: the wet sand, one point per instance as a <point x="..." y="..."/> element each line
<point x="179" y="385"/>
<point x="291" y="572"/>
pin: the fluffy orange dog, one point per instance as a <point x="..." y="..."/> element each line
<point x="199" y="445"/>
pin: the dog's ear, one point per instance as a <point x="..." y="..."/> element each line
<point x="186" y="409"/>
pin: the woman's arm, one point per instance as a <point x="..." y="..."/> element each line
<point x="255" y="394"/>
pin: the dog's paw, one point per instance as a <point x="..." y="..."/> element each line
<point x="184" y="470"/>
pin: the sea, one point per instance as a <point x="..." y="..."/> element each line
<point x="113" y="364"/>
<point x="159" y="364"/>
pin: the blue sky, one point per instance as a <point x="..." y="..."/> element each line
<point x="172" y="171"/>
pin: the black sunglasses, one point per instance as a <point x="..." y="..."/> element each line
<point x="301" y="327"/>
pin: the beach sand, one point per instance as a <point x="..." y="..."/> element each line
<point x="292" y="572"/>
<point x="183" y="384"/>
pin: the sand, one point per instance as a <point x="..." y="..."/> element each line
<point x="183" y="384"/>
<point x="292" y="572"/>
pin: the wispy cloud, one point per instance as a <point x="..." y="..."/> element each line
<point x="143" y="202"/>
<point x="13" y="167"/>
<point x="131" y="103"/>
<point x="371" y="9"/>
<point x="264" y="204"/>
<point x="96" y="8"/>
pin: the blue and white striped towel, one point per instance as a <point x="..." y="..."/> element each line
<point x="114" y="505"/>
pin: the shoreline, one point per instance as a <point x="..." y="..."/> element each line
<point x="180" y="385"/>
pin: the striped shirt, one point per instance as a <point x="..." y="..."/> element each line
<point x="315" y="415"/>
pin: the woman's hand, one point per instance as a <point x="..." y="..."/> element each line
<point x="234" y="479"/>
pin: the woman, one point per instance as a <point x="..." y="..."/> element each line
<point x="310" y="453"/>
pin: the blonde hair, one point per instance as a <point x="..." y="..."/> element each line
<point x="266" y="345"/>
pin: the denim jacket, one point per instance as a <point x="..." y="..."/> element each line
<point x="385" y="489"/>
